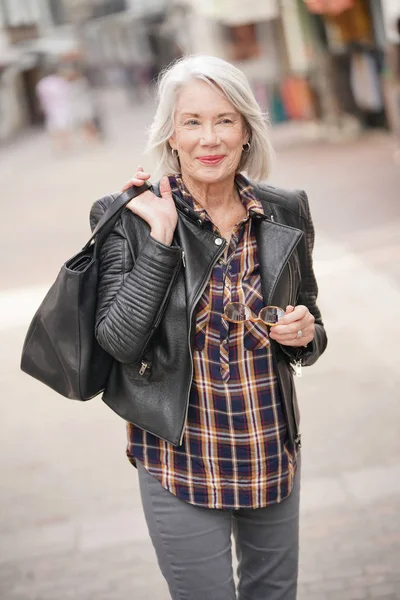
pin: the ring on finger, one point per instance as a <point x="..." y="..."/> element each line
<point x="299" y="334"/>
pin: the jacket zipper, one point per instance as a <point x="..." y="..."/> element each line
<point x="144" y="365"/>
<point x="297" y="362"/>
<point x="297" y="438"/>
<point x="290" y="282"/>
<point x="197" y="298"/>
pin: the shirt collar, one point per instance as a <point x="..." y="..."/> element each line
<point x="244" y="187"/>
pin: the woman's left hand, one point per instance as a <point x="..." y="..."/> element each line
<point x="296" y="319"/>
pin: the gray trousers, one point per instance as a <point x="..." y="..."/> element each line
<point x="193" y="545"/>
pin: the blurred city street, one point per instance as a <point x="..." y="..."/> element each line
<point x="71" y="525"/>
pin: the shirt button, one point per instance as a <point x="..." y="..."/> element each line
<point x="219" y="241"/>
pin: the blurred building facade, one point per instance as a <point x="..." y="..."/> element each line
<point x="332" y="62"/>
<point x="391" y="88"/>
<point x="325" y="61"/>
<point x="28" y="34"/>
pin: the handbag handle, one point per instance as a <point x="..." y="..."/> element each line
<point x="110" y="217"/>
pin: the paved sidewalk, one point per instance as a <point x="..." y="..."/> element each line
<point x="71" y="525"/>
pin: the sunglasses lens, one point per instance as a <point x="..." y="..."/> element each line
<point x="271" y="315"/>
<point x="237" y="312"/>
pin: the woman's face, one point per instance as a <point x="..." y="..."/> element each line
<point x="209" y="133"/>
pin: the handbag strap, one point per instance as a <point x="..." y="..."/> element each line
<point x="110" y="217"/>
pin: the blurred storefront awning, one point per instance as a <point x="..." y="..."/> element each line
<point x="238" y="12"/>
<point x="328" y="7"/>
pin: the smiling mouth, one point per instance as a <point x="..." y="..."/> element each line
<point x="211" y="160"/>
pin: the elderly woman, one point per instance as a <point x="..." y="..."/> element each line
<point x="207" y="302"/>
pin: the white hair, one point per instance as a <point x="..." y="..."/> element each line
<point x="234" y="85"/>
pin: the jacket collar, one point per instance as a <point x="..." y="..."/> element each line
<point x="276" y="243"/>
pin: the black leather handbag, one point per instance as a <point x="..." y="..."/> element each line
<point x="60" y="347"/>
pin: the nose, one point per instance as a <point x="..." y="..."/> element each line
<point x="209" y="136"/>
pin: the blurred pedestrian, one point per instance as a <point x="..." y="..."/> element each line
<point x="82" y="106"/>
<point x="53" y="95"/>
<point x="207" y="302"/>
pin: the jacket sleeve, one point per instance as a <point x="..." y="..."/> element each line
<point x="131" y="295"/>
<point x="309" y="354"/>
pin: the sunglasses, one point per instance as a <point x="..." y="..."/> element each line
<point x="236" y="312"/>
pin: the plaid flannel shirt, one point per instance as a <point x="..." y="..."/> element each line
<point x="234" y="452"/>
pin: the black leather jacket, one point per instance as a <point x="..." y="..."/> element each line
<point x="148" y="293"/>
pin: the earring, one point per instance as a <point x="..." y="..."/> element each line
<point x="246" y="147"/>
<point x="174" y="152"/>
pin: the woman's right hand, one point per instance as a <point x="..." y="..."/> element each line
<point x="159" y="213"/>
